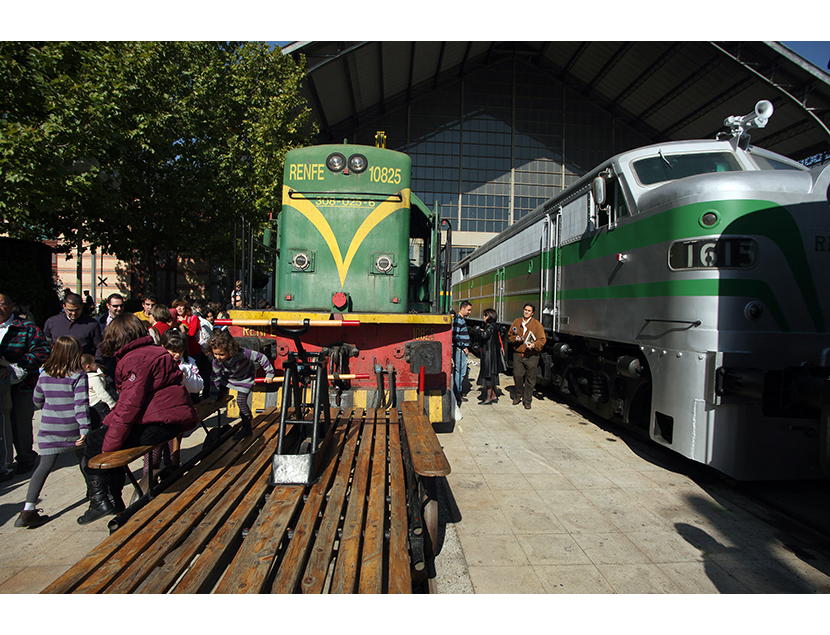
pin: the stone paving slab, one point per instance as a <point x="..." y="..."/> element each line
<point x="547" y="501"/>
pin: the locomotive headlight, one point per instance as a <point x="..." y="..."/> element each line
<point x="301" y="261"/>
<point x="384" y="264"/>
<point x="710" y="218"/>
<point x="358" y="163"/>
<point x="753" y="311"/>
<point x="336" y="162"/>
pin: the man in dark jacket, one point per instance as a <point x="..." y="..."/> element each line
<point x="73" y="321"/>
<point x="21" y="343"/>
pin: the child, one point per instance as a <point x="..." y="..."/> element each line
<point x="61" y="385"/>
<point x="174" y="343"/>
<point x="160" y="320"/>
<point x="100" y="399"/>
<point x="235" y="367"/>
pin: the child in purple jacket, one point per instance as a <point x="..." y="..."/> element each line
<point x="235" y="367"/>
<point x="62" y="393"/>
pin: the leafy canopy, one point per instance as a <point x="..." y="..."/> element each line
<point x="139" y="146"/>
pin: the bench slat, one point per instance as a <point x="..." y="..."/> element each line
<point x="400" y="580"/>
<point x="371" y="562"/>
<point x="249" y="570"/>
<point x="428" y="458"/>
<point x="317" y="568"/>
<point x="244" y="494"/>
<point x="238" y="474"/>
<point x="348" y="556"/>
<point x="91" y="563"/>
<point x="164" y="513"/>
<point x="293" y="564"/>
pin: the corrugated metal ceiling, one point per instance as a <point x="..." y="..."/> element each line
<point x="665" y="90"/>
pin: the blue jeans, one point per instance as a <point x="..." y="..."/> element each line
<point x="460" y="360"/>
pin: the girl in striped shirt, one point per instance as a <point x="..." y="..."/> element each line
<point x="235" y="367"/>
<point x="62" y="393"/>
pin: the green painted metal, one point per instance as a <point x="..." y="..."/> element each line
<point x="343" y="222"/>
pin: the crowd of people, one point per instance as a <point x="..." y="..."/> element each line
<point x="527" y="336"/>
<point x="104" y="383"/>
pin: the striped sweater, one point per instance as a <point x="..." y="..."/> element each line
<point x="239" y="371"/>
<point x="460" y="334"/>
<point x="65" y="404"/>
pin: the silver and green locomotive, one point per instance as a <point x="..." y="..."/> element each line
<point x="684" y="288"/>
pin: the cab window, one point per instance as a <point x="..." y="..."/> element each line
<point x="669" y="167"/>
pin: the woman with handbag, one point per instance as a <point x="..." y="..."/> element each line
<point x="492" y="356"/>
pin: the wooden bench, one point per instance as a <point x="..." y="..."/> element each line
<point x="123" y="458"/>
<point x="221" y="528"/>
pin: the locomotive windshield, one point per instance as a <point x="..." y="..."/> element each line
<point x="677" y="166"/>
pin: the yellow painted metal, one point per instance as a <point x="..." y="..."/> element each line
<point x="364" y="318"/>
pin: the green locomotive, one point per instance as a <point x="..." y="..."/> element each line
<point x="353" y="241"/>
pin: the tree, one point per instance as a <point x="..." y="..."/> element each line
<point x="143" y="146"/>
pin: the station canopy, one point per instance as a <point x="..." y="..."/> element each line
<point x="667" y="91"/>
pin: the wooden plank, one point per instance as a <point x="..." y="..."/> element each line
<point x="400" y="578"/>
<point x="348" y="555"/>
<point x="91" y="563"/>
<point x="294" y="561"/>
<point x="371" y="564"/>
<point x="165" y="511"/>
<point x="238" y="475"/>
<point x="318" y="563"/>
<point x="250" y="567"/>
<point x="428" y="458"/>
<point x="245" y="494"/>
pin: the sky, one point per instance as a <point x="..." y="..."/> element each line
<point x="817" y="52"/>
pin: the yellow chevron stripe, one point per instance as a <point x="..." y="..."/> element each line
<point x="310" y="211"/>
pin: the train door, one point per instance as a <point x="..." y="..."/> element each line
<point x="550" y="280"/>
<point x="498" y="291"/>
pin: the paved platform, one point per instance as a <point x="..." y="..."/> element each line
<point x="539" y="502"/>
<point x="547" y="501"/>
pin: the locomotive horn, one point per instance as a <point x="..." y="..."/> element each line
<point x="758" y="118"/>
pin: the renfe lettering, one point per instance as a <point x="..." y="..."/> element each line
<point x="306" y="171"/>
<point x="820" y="244"/>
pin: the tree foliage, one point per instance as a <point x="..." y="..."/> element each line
<point x="139" y="146"/>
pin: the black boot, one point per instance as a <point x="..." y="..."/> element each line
<point x="244" y="429"/>
<point x="115" y="487"/>
<point x="99" y="502"/>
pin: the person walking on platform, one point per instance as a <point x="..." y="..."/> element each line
<point x="528" y="338"/>
<point x="61" y="392"/>
<point x="492" y="356"/>
<point x="460" y="350"/>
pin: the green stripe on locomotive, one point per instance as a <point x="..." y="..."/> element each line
<point x="737" y="217"/>
<point x="345" y="231"/>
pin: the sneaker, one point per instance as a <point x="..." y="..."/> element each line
<point x="6" y="475"/>
<point x="458" y="415"/>
<point x="31" y="519"/>
<point x="517" y="401"/>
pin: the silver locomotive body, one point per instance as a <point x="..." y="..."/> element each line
<point x="684" y="290"/>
